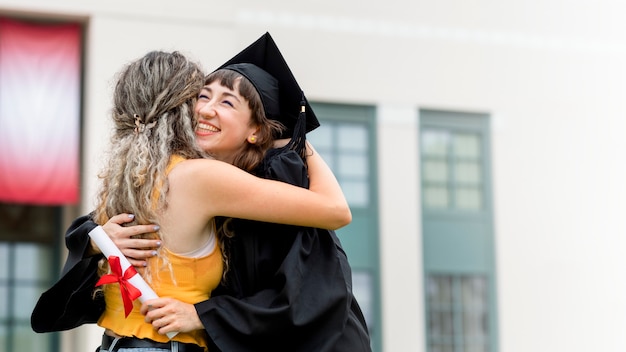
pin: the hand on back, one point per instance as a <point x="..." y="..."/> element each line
<point x="127" y="239"/>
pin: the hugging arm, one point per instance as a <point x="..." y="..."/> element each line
<point x="211" y="188"/>
<point x="70" y="302"/>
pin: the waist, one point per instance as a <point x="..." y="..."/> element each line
<point x="111" y="344"/>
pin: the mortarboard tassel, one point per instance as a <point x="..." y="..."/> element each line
<point x="298" y="139"/>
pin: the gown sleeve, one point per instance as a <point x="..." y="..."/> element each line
<point x="289" y="286"/>
<point x="70" y="302"/>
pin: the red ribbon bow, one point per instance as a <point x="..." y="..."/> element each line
<point x="128" y="291"/>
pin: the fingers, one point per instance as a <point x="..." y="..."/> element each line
<point x="121" y="218"/>
<point x="140" y="243"/>
<point x="116" y="231"/>
<point x="137" y="263"/>
<point x="148" y="306"/>
<point x="164" y="325"/>
<point x="137" y="250"/>
<point x="154" y="310"/>
<point x="138" y="257"/>
<point x="169" y="315"/>
<point x="139" y="254"/>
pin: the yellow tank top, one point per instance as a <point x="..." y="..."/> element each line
<point x="187" y="279"/>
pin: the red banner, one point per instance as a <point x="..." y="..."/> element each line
<point x="39" y="112"/>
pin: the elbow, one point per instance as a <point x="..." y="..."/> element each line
<point x="344" y="217"/>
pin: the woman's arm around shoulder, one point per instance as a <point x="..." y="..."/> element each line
<point x="213" y="188"/>
<point x="323" y="181"/>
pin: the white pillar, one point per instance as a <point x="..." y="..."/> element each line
<point x="400" y="229"/>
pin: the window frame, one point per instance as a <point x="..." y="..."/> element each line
<point x="460" y="242"/>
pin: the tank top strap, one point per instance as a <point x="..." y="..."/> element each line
<point x="174" y="160"/>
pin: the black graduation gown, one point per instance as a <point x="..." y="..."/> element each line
<point x="288" y="288"/>
<point x="70" y="302"/>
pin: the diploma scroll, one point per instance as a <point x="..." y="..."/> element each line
<point x="109" y="249"/>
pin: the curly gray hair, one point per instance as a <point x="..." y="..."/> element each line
<point x="153" y="119"/>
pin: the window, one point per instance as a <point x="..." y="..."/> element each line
<point x="458" y="244"/>
<point x="451" y="164"/>
<point x="344" y="146"/>
<point x="28" y="265"/>
<point x="457" y="313"/>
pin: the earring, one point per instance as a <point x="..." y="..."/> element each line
<point x="252" y="139"/>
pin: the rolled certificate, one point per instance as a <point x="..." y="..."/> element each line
<point x="109" y="249"/>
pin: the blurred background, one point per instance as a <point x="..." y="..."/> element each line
<point x="479" y="144"/>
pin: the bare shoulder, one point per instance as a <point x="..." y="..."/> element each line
<point x="208" y="188"/>
<point x="192" y="166"/>
<point x="203" y="170"/>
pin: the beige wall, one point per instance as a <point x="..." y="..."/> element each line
<point x="551" y="75"/>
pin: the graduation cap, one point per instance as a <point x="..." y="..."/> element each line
<point x="283" y="100"/>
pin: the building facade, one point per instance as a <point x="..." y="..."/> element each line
<point x="479" y="146"/>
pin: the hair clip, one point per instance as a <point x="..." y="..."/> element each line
<point x="139" y="126"/>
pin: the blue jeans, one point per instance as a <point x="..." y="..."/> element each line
<point x="174" y="348"/>
<point x="142" y="349"/>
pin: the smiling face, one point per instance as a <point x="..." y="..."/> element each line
<point x="224" y="121"/>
